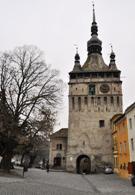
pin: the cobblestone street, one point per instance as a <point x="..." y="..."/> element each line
<point x="38" y="182"/>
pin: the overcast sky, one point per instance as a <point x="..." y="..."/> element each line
<point x="56" y="25"/>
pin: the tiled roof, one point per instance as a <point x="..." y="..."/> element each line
<point x="62" y="133"/>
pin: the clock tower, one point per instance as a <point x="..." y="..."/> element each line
<point x="95" y="95"/>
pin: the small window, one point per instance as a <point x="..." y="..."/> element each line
<point x="120" y="148"/>
<point x="125" y="147"/>
<point x="92" y="100"/>
<point x="91" y="89"/>
<point x="73" y="103"/>
<point x="98" y="100"/>
<point x="85" y="100"/>
<point x="132" y="144"/>
<point x="59" y="147"/>
<point x="130" y="123"/>
<point x="101" y="123"/>
<point x="118" y="100"/>
<point x="105" y="100"/>
<point x="112" y="100"/>
<point x="79" y="103"/>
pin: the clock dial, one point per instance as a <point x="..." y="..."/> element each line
<point x="104" y="88"/>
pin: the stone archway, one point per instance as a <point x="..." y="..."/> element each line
<point x="83" y="164"/>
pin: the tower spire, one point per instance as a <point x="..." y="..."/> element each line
<point x="77" y="66"/>
<point x="94" y="17"/>
<point x="77" y="57"/>
<point x="112" y="64"/>
<point x="94" y="45"/>
<point x="94" y="28"/>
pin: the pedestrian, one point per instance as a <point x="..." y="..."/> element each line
<point x="47" y="167"/>
<point x="133" y="177"/>
<point x="25" y="167"/>
<point x="43" y="163"/>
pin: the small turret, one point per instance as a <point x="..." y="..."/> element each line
<point x="112" y="65"/>
<point x="77" y="66"/>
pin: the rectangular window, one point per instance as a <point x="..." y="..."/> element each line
<point x="73" y="103"/>
<point x="105" y="100"/>
<point x="92" y="100"/>
<point x="101" y="123"/>
<point x="112" y="100"/>
<point x="120" y="148"/>
<point x="98" y="101"/>
<point x="85" y="100"/>
<point x="130" y="123"/>
<point x="79" y="103"/>
<point x="115" y="162"/>
<point x="125" y="147"/>
<point x="132" y="144"/>
<point x="59" y="147"/>
<point x="118" y="100"/>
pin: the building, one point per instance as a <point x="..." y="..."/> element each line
<point x="130" y="114"/>
<point x="123" y="132"/>
<point x="121" y="145"/>
<point x="115" y="142"/>
<point x="58" y="148"/>
<point x="95" y="96"/>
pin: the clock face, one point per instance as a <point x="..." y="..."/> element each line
<point x="104" y="88"/>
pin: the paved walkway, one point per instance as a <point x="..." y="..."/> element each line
<point x="38" y="182"/>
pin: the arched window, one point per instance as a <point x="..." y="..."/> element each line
<point x="85" y="100"/>
<point x="98" y="101"/>
<point x="92" y="100"/>
<point x="73" y="103"/>
<point x="79" y="103"/>
<point x="112" y="100"/>
<point x="59" y="147"/>
<point x="118" y="100"/>
<point x="105" y="100"/>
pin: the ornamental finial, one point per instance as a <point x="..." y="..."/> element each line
<point x="94" y="17"/>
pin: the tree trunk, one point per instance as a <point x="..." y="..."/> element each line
<point x="22" y="158"/>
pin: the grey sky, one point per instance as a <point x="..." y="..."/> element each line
<point x="56" y="25"/>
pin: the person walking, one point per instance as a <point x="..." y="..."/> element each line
<point x="47" y="167"/>
<point x="25" y="167"/>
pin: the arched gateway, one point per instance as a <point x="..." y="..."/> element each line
<point x="83" y="164"/>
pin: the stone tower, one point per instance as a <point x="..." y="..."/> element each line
<point x="95" y="95"/>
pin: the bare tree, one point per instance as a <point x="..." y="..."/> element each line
<point x="39" y="131"/>
<point x="27" y="85"/>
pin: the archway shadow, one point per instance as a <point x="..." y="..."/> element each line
<point x="83" y="164"/>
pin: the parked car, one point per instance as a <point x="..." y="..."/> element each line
<point x="108" y="170"/>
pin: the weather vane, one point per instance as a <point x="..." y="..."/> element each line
<point x="111" y="47"/>
<point x="76" y="46"/>
<point x="93" y="4"/>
